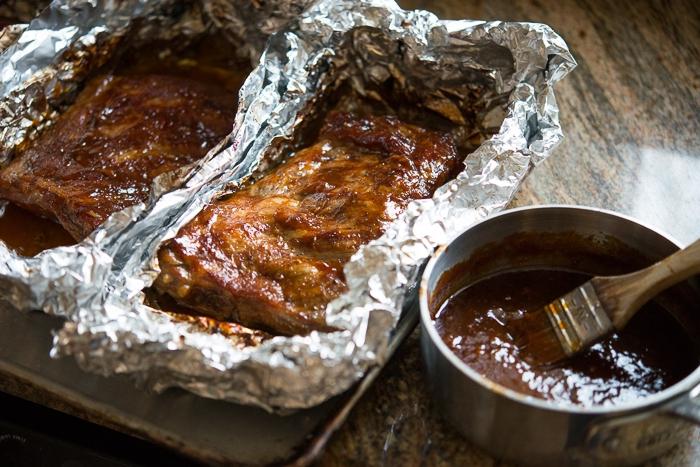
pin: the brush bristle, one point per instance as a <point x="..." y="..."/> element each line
<point x="536" y="339"/>
<point x="563" y="327"/>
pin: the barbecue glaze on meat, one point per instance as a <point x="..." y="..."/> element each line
<point x="103" y="152"/>
<point x="271" y="255"/>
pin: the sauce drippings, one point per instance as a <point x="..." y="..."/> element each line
<point x="650" y="354"/>
<point x="28" y="234"/>
<point x="238" y="335"/>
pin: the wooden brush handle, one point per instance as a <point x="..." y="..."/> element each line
<point x="623" y="295"/>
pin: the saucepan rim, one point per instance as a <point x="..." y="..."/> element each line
<point x="654" y="401"/>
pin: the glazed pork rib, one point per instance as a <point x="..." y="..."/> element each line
<point x="102" y="154"/>
<point x="271" y="255"/>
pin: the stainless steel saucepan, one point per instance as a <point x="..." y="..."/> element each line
<point x="525" y="429"/>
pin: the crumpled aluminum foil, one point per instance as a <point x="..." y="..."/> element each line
<point x="41" y="68"/>
<point x="493" y="77"/>
<point x="10" y="34"/>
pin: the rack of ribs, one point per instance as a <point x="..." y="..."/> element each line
<point x="102" y="154"/>
<point x="271" y="255"/>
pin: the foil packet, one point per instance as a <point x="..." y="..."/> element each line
<point x="508" y="69"/>
<point x="492" y="80"/>
<point x="42" y="67"/>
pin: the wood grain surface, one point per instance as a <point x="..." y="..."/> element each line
<point x="631" y="118"/>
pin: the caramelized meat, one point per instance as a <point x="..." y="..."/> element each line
<point x="271" y="255"/>
<point x="102" y="154"/>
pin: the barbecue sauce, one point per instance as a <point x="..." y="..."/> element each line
<point x="652" y="353"/>
<point x="28" y="234"/>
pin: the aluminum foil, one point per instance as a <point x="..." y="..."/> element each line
<point x="9" y="35"/>
<point x="45" y="63"/>
<point x="489" y="79"/>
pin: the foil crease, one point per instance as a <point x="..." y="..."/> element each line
<point x="42" y="66"/>
<point x="504" y="72"/>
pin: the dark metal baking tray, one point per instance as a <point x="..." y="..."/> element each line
<point x="205" y="430"/>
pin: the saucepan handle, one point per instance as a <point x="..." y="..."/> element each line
<point x="688" y="407"/>
<point x="640" y="436"/>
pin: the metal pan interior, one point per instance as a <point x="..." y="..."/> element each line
<point x="554" y="236"/>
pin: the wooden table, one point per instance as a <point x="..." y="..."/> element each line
<point x="631" y="118"/>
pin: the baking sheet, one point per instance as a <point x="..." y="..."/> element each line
<point x="207" y="430"/>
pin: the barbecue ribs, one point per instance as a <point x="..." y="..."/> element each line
<point x="271" y="255"/>
<point x="102" y="154"/>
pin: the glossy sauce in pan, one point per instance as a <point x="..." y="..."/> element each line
<point x="652" y="353"/>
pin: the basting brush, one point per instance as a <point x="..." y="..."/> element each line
<point x="580" y="318"/>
